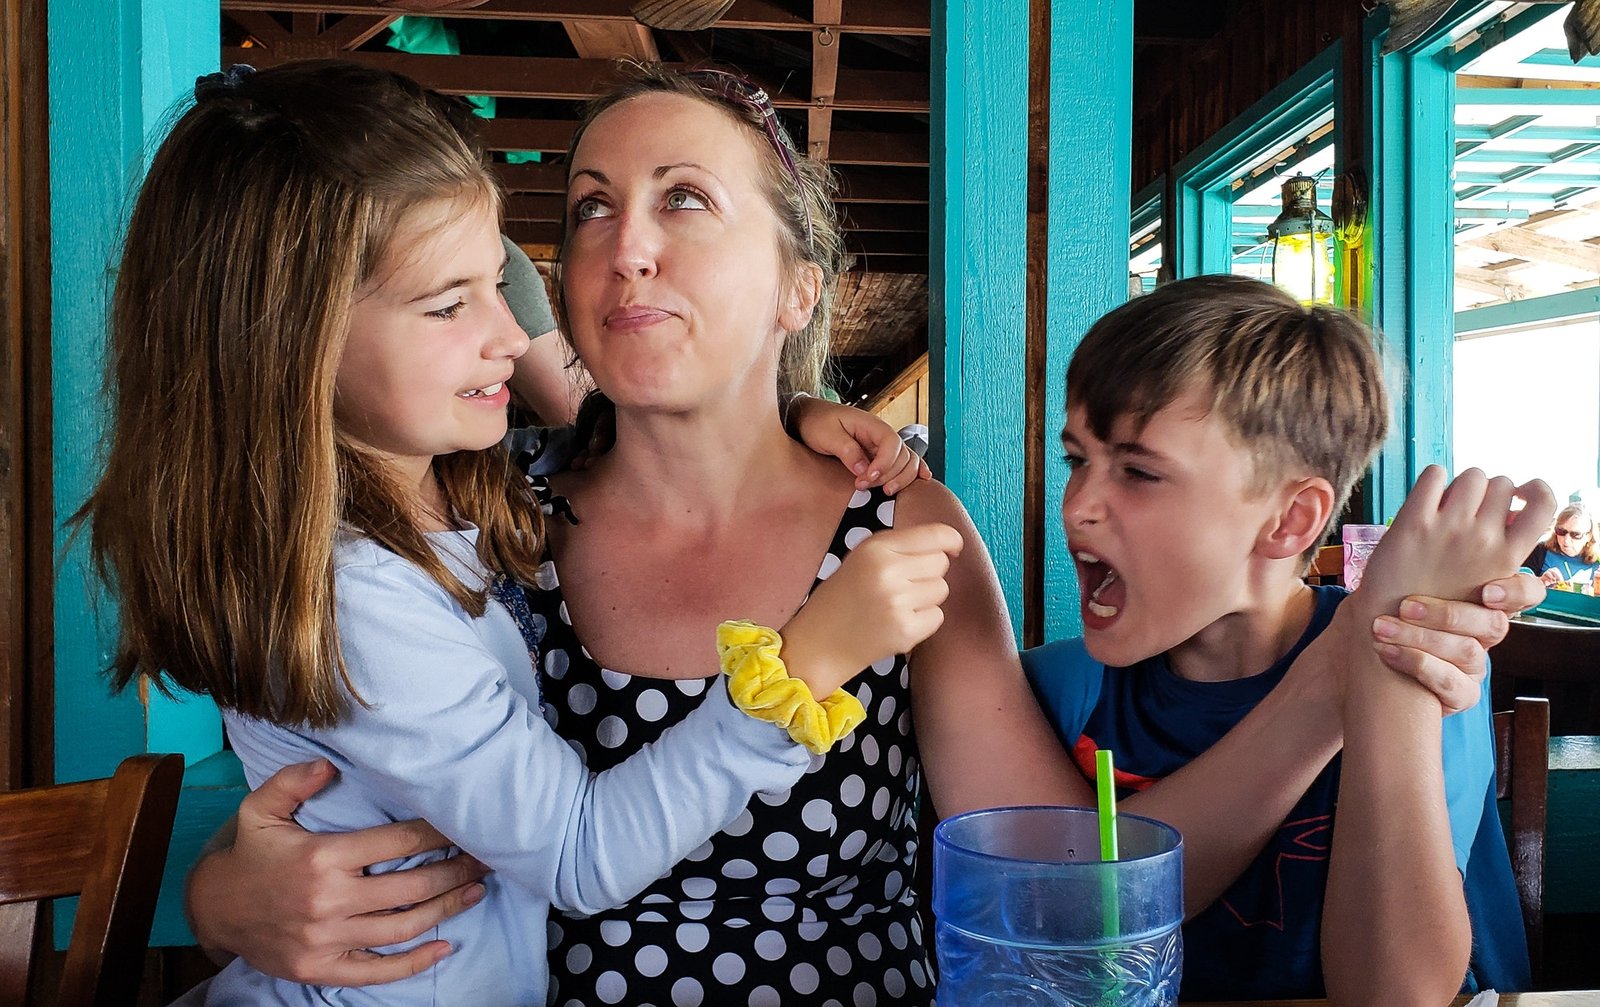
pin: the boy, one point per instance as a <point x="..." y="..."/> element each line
<point x="1214" y="429"/>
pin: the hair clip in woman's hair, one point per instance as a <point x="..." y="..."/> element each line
<point x="222" y="81"/>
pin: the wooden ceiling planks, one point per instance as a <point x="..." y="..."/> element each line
<point x="863" y="107"/>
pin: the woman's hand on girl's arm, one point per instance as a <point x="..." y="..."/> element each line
<point x="868" y="446"/>
<point x="301" y="903"/>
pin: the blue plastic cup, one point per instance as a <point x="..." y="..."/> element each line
<point x="1026" y="912"/>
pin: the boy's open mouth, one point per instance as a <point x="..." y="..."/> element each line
<point x="1104" y="591"/>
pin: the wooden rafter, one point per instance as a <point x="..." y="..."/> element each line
<point x="612" y="40"/>
<point x="581" y="79"/>
<point x="1489" y="281"/>
<point x="824" y="75"/>
<point x="870" y="17"/>
<point x="901" y="382"/>
<point x="896" y="150"/>
<point x="311" y="37"/>
<point x="1537" y="247"/>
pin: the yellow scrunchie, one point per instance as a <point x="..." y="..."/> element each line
<point x="759" y="684"/>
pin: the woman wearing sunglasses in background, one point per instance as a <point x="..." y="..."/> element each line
<point x="1570" y="555"/>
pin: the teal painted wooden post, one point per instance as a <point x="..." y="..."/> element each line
<point x="116" y="69"/>
<point x="1413" y="119"/>
<point x="978" y="251"/>
<point x="977" y="258"/>
<point x="1091" y="156"/>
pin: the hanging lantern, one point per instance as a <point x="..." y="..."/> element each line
<point x="1302" y="244"/>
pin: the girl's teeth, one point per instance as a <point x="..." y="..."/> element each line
<point x="493" y="389"/>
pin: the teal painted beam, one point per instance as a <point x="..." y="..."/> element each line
<point x="1413" y="146"/>
<point x="977" y="265"/>
<point x="1549" y="310"/>
<point x="1091" y="144"/>
<point x="1526" y="100"/>
<point x="1561" y="134"/>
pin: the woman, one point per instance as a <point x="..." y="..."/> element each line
<point x="696" y="278"/>
<point x="1570" y="555"/>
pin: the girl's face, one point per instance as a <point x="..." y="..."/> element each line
<point x="431" y="342"/>
<point x="1572" y="534"/>
<point x="674" y="284"/>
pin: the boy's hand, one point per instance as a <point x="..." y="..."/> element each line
<point x="867" y="445"/>
<point x="883" y="600"/>
<point x="1444" y="644"/>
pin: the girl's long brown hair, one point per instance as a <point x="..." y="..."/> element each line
<point x="272" y="200"/>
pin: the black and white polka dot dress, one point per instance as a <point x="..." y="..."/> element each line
<point x="805" y="899"/>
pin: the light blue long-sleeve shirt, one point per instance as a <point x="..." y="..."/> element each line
<point x="452" y="732"/>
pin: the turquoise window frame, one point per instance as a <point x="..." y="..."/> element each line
<point x="1149" y="207"/>
<point x="1412" y="146"/>
<point x="1200" y="226"/>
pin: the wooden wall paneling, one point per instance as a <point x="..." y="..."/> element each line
<point x="26" y="686"/>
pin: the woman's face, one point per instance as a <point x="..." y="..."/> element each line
<point x="1572" y="533"/>
<point x="674" y="285"/>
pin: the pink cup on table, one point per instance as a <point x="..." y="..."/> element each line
<point x="1359" y="541"/>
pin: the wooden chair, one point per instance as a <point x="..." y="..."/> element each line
<point x="1559" y="662"/>
<point x="105" y="841"/>
<point x="1328" y="566"/>
<point x="1522" y="774"/>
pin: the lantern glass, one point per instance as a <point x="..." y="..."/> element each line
<point x="1303" y="244"/>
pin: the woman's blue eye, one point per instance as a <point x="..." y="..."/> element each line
<point x="685" y="199"/>
<point x="447" y="313"/>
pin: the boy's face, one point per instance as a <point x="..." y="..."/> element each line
<point x="1163" y="525"/>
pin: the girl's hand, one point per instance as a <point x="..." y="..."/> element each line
<point x="1550" y="577"/>
<point x="883" y="600"/>
<point x="867" y="445"/>
<point x="298" y="905"/>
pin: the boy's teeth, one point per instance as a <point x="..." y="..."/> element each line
<point x="1103" y="611"/>
<point x="1088" y="557"/>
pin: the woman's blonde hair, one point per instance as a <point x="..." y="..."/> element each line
<point x="275" y="197"/>
<point x="1591" y="549"/>
<point x="802" y="200"/>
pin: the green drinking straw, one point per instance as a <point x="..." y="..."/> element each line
<point x="1105" y="787"/>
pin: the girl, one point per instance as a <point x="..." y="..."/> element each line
<point x="308" y="516"/>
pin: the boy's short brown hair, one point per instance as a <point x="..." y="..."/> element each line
<point x="1301" y="387"/>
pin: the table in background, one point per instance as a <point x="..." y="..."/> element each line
<point x="1589" y="998"/>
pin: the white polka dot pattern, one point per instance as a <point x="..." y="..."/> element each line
<point x="800" y="901"/>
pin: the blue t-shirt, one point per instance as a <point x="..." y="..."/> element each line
<point x="1571" y="568"/>
<point x="1261" y="938"/>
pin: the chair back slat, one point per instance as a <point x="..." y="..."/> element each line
<point x="106" y="842"/>
<point x="44" y="848"/>
<point x="1522" y="775"/>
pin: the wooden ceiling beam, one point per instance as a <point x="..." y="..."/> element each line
<point x="534" y="232"/>
<point x="870" y="185"/>
<point x="554" y="136"/>
<point x="903" y="150"/>
<point x="540" y="209"/>
<point x="1537" y="247"/>
<point x="824" y="76"/>
<point x="862" y="17"/>
<point x="876" y="243"/>
<point x="1490" y="282"/>
<point x="263" y="27"/>
<point x="581" y="79"/>
<point x="545" y="178"/>
<point x="612" y="40"/>
<point x="353" y="30"/>
<point x="903" y="218"/>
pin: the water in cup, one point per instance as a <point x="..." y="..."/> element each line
<point x="1026" y="913"/>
